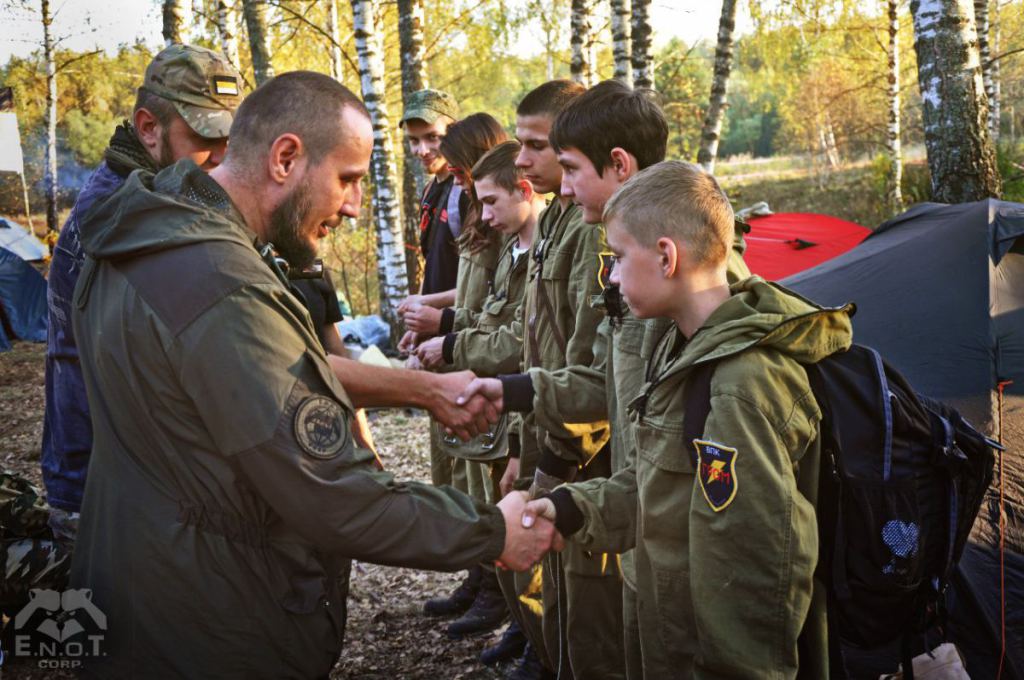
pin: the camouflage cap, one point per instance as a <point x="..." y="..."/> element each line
<point x="429" y="105"/>
<point x="202" y="84"/>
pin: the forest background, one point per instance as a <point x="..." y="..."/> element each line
<point x="805" y="127"/>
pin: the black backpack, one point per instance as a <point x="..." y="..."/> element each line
<point x="902" y="479"/>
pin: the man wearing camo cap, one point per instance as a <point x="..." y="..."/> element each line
<point x="184" y="109"/>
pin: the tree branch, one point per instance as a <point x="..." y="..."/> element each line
<point x="72" y="60"/>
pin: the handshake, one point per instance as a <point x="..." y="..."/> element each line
<point x="530" y="531"/>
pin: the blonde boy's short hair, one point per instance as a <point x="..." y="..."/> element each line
<point x="678" y="200"/>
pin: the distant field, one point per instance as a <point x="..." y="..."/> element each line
<point x="788" y="184"/>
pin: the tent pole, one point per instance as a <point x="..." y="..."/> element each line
<point x="24" y="190"/>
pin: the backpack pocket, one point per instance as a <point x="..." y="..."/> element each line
<point x="878" y="563"/>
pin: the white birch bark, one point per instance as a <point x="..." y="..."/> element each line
<point x="225" y="18"/>
<point x="961" y="156"/>
<point x="50" y="171"/>
<point x="255" y="12"/>
<point x="996" y="94"/>
<point x="712" y="130"/>
<point x="620" y="41"/>
<point x="391" y="271"/>
<point x="643" y="57"/>
<point x="581" y="67"/>
<point x="173" y="21"/>
<point x="892" y="137"/>
<point x="334" y="28"/>
<point x="414" y="78"/>
<point x="981" y="21"/>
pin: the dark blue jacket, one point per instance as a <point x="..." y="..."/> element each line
<point x="67" y="431"/>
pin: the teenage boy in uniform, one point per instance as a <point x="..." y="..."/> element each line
<point x="510" y="206"/>
<point x="724" y="525"/>
<point x="556" y="328"/>
<point x="604" y="138"/>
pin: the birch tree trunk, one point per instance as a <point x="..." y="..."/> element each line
<point x="174" y="21"/>
<point x="985" y="54"/>
<point x="225" y="18"/>
<point x="961" y="157"/>
<point x="50" y="172"/>
<point x="414" y="78"/>
<point x="334" y="28"/>
<point x="255" y="12"/>
<point x="391" y="272"/>
<point x="996" y="93"/>
<point x="712" y="130"/>
<point x="582" y="64"/>
<point x="892" y="137"/>
<point x="643" y="59"/>
<point x="620" y="41"/>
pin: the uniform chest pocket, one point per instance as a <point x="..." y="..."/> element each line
<point x="629" y="337"/>
<point x="496" y="312"/>
<point x="558" y="264"/>
<point x="664" y="449"/>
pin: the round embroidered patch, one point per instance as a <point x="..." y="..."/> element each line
<point x="320" y="427"/>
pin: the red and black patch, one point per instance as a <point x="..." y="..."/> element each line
<point x="604" y="271"/>
<point x="716" y="472"/>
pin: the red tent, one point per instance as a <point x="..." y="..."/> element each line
<point x="786" y="243"/>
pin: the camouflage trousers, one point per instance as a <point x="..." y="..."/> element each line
<point x="32" y="563"/>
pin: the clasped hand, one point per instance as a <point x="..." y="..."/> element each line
<point x="529" y="533"/>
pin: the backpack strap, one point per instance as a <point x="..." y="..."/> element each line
<point x="697" y="399"/>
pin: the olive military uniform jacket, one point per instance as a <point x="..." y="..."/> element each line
<point x="476" y="273"/>
<point x="554" y="327"/>
<point x="225" y="485"/>
<point x="724" y="527"/>
<point x="472" y="346"/>
<point x="622" y="348"/>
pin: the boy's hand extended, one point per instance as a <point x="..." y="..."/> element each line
<point x="489" y="388"/>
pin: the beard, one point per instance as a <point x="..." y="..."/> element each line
<point x="285" y="223"/>
<point x="166" y="155"/>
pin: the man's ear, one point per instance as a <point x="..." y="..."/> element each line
<point x="669" y="255"/>
<point x="623" y="164"/>
<point x="148" y="130"/>
<point x="286" y="152"/>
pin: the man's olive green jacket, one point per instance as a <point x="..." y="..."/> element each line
<point x="225" y="486"/>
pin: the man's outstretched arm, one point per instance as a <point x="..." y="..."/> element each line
<point x="369" y="386"/>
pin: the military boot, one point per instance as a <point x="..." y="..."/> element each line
<point x="461" y="598"/>
<point x="529" y="668"/>
<point x="509" y="646"/>
<point x="487" y="613"/>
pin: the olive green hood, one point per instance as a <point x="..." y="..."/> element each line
<point x="122" y="226"/>
<point x="765" y="314"/>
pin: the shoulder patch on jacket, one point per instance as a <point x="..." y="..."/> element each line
<point x="604" y="270"/>
<point x="716" y="472"/>
<point x="320" y="427"/>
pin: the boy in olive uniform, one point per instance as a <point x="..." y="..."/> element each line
<point x="605" y="137"/>
<point x="510" y="206"/>
<point x="724" y="526"/>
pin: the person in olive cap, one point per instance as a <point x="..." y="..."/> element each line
<point x="184" y="109"/>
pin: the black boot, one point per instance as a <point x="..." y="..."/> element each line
<point x="509" y="647"/>
<point x="529" y="668"/>
<point x="461" y="598"/>
<point x="487" y="613"/>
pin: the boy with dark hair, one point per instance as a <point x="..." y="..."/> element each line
<point x="556" y="328"/>
<point x="510" y="207"/>
<point x="620" y="131"/>
<point x="724" y="569"/>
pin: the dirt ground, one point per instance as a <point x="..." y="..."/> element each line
<point x="387" y="634"/>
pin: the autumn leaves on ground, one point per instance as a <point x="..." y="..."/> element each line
<point x="387" y="635"/>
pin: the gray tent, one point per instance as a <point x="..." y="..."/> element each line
<point x="940" y="293"/>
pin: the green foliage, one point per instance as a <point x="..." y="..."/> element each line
<point x="1010" y="159"/>
<point x="87" y="135"/>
